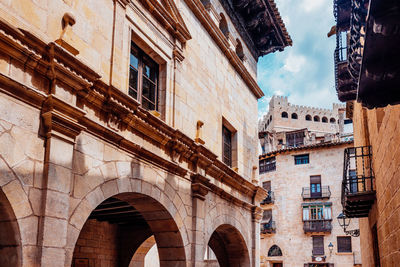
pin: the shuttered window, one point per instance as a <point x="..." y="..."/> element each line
<point x="318" y="245"/>
<point x="267" y="185"/>
<point x="344" y="243"/>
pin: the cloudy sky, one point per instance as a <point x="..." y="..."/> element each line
<point x="303" y="72"/>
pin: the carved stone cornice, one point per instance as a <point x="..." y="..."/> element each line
<point x="94" y="94"/>
<point x="167" y="13"/>
<point x="61" y="119"/>
<point x="199" y="191"/>
<point x="205" y="19"/>
<point x="257" y="214"/>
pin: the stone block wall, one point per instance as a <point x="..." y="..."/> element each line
<point x="287" y="182"/>
<point x="380" y="128"/>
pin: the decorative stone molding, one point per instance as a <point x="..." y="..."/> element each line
<point x="101" y="98"/>
<point x="199" y="191"/>
<point x="257" y="214"/>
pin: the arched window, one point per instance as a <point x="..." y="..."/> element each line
<point x="284" y="114"/>
<point x="294" y="116"/>
<point x="316" y="118"/>
<point x="223" y="25"/>
<point x="324" y="119"/>
<point x="239" y="49"/>
<point x="308" y="117"/>
<point x="332" y="120"/>
<point x="274" y="251"/>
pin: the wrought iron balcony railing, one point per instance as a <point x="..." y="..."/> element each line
<point x="268" y="227"/>
<point x="317" y="226"/>
<point x="269" y="199"/>
<point x="358" y="189"/>
<point x="325" y="192"/>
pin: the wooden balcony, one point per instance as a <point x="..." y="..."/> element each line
<point x="317" y="226"/>
<point x="308" y="195"/>
<point x="268" y="227"/>
<point x="358" y="189"/>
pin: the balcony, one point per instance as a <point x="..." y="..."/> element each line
<point x="268" y="228"/>
<point x="269" y="199"/>
<point x="307" y="194"/>
<point x="317" y="226"/>
<point x="358" y="189"/>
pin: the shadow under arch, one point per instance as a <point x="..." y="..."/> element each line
<point x="229" y="247"/>
<point x="128" y="219"/>
<point x="10" y="238"/>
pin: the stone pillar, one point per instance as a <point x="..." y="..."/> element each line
<point x="199" y="192"/>
<point x="256" y="217"/>
<point x="60" y="132"/>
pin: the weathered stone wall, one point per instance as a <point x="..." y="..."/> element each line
<point x="287" y="183"/>
<point x="62" y="153"/>
<point x="380" y="128"/>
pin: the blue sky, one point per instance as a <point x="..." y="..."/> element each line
<point x="304" y="71"/>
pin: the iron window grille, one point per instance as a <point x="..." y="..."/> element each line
<point x="267" y="165"/>
<point x="301" y="159"/>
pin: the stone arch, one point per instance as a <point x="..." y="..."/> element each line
<point x="274" y="251"/>
<point x="324" y="119"/>
<point x="165" y="200"/>
<point x="284" y="114"/>
<point x="223" y="25"/>
<point x="316" y="118"/>
<point x="229" y="247"/>
<point x="332" y="120"/>
<point x="239" y="49"/>
<point x="141" y="252"/>
<point x="294" y="116"/>
<point x="10" y="238"/>
<point x="308" y="117"/>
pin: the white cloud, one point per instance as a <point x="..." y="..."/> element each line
<point x="314" y="5"/>
<point x="294" y="63"/>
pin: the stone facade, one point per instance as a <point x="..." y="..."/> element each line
<point x="290" y="185"/>
<point x="274" y="120"/>
<point x="76" y="150"/>
<point x="314" y="125"/>
<point x="380" y="233"/>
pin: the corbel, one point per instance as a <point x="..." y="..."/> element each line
<point x="257" y="214"/>
<point x="61" y="119"/>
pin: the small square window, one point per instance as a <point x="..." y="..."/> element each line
<point x="344" y="244"/>
<point x="301" y="159"/>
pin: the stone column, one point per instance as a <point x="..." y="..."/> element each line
<point x="60" y="132"/>
<point x="199" y="192"/>
<point x="256" y="217"/>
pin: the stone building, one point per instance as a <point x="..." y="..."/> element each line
<point x="299" y="225"/>
<point x="125" y="123"/>
<point x="288" y="125"/>
<point x="368" y="80"/>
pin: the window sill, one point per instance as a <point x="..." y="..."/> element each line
<point x="344" y="253"/>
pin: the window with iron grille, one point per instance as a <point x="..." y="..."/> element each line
<point x="301" y="159"/>
<point x="226" y="146"/>
<point x="267" y="165"/>
<point x="344" y="244"/>
<point x="143" y="78"/>
<point x="318" y="245"/>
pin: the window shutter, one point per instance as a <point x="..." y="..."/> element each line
<point x="306" y="216"/>
<point x="318" y="245"/>
<point x="344" y="243"/>
<point x="267" y="215"/>
<point x="267" y="185"/>
<point x="316" y="179"/>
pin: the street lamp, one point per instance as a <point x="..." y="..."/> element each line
<point x="330" y="246"/>
<point x="344" y="222"/>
